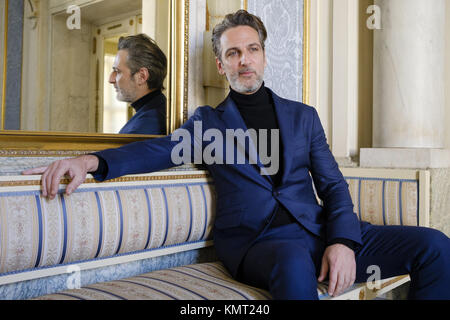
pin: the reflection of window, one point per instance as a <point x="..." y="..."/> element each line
<point x="115" y="112"/>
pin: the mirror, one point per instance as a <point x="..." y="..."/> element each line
<point x="57" y="57"/>
<point x="192" y="76"/>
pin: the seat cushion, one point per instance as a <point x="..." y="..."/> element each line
<point x="203" y="281"/>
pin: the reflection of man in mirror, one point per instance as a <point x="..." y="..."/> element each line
<point x="270" y="231"/>
<point x="138" y="74"/>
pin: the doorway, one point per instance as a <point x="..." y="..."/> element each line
<point x="111" y="114"/>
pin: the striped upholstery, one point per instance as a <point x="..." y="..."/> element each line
<point x="101" y="219"/>
<point x="385" y="202"/>
<point x="206" y="281"/>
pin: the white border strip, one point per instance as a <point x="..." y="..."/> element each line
<point x="381" y="173"/>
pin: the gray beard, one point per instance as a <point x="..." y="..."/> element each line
<point x="239" y="87"/>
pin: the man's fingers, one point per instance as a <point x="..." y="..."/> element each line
<point x="343" y="282"/>
<point x="332" y="283"/>
<point x="340" y="285"/>
<point x="32" y="171"/>
<point x="44" y="184"/>
<point x="76" y="169"/>
<point x="56" y="179"/>
<point x="74" y="184"/>
<point x="323" y="270"/>
<point x="353" y="279"/>
<point x="45" y="173"/>
<point x="46" y="181"/>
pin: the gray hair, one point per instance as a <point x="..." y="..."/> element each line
<point x="143" y="52"/>
<point x="232" y="20"/>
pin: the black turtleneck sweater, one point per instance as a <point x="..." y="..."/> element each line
<point x="258" y="112"/>
<point x="138" y="104"/>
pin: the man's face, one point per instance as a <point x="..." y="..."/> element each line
<point x="243" y="59"/>
<point x="121" y="78"/>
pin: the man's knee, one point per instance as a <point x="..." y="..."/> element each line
<point x="435" y="240"/>
<point x="293" y="275"/>
<point x="435" y="247"/>
<point x="294" y="259"/>
<point x="285" y="268"/>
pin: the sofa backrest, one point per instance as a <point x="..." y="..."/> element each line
<point x="128" y="215"/>
<point x="390" y="196"/>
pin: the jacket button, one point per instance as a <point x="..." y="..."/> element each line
<point x="276" y="193"/>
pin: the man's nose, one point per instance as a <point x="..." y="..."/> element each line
<point x="112" y="78"/>
<point x="244" y="59"/>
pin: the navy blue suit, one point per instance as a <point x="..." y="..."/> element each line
<point x="150" y="116"/>
<point x="246" y="200"/>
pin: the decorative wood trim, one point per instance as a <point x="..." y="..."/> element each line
<point x="424" y="198"/>
<point x="179" y="63"/>
<point x="30" y="144"/>
<point x="65" y="181"/>
<point x="306" y="39"/>
<point x="381" y="173"/>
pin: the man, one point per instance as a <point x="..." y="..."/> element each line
<point x="138" y="74"/>
<point x="269" y="230"/>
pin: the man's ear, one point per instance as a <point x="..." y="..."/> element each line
<point x="142" y="76"/>
<point x="220" y="67"/>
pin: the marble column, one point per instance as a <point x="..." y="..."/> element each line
<point x="409" y="97"/>
<point x="408" y="90"/>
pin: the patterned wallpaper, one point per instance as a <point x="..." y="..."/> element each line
<point x="14" y="67"/>
<point x="284" y="46"/>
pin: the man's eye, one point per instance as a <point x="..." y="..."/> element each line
<point x="232" y="53"/>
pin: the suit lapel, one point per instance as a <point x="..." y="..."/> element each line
<point x="286" y="124"/>
<point x="233" y="120"/>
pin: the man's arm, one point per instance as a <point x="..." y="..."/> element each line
<point x="332" y="189"/>
<point x="342" y="225"/>
<point x="138" y="157"/>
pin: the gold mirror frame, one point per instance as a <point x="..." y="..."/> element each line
<point x="34" y="143"/>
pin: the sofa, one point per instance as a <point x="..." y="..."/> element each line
<point x="150" y="236"/>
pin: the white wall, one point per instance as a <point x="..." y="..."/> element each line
<point x="340" y="73"/>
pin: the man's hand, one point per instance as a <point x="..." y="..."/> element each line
<point x="76" y="169"/>
<point x="339" y="261"/>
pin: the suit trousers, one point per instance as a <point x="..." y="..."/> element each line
<point x="286" y="260"/>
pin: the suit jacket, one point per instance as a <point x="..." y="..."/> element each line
<point x="246" y="199"/>
<point x="149" y="119"/>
